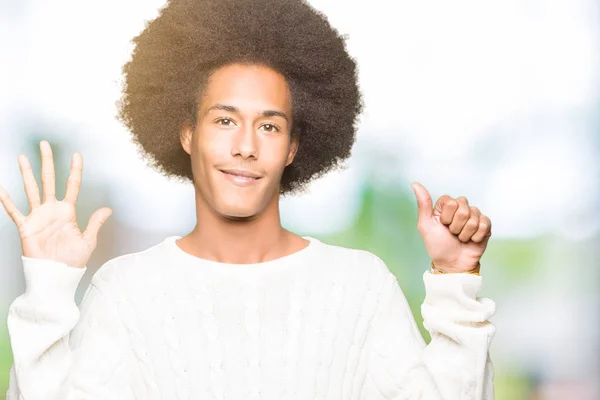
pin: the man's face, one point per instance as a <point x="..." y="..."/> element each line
<point x="243" y="123"/>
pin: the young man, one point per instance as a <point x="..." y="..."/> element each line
<point x="249" y="100"/>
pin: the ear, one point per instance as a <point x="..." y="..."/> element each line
<point x="185" y="137"/>
<point x="293" y="150"/>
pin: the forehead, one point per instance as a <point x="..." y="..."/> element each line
<point x="249" y="88"/>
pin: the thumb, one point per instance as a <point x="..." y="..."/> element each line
<point x="423" y="201"/>
<point x="98" y="218"/>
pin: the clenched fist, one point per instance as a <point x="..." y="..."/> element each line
<point x="455" y="233"/>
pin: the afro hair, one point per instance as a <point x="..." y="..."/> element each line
<point x="176" y="53"/>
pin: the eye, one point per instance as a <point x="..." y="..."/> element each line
<point x="271" y="127"/>
<point x="225" y="120"/>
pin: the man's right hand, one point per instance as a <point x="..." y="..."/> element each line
<point x="50" y="230"/>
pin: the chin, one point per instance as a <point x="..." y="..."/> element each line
<point x="237" y="212"/>
<point x="233" y="205"/>
<point x="240" y="215"/>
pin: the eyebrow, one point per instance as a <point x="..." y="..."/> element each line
<point x="266" y="113"/>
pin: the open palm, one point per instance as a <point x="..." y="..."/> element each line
<point x="50" y="230"/>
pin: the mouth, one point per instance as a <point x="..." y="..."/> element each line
<point x="240" y="180"/>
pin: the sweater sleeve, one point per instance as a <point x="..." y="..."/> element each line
<point x="455" y="365"/>
<point x="62" y="351"/>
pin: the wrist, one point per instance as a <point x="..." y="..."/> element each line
<point x="436" y="270"/>
<point x="50" y="280"/>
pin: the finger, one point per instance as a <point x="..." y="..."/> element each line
<point x="98" y="218"/>
<point x="423" y="201"/>
<point x="471" y="225"/>
<point x="445" y="207"/>
<point x="74" y="180"/>
<point x="461" y="216"/>
<point x="48" y="174"/>
<point x="484" y="230"/>
<point x="11" y="208"/>
<point x="31" y="187"/>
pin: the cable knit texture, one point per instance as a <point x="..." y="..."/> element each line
<point x="326" y="322"/>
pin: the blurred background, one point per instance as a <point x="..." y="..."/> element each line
<point x="495" y="101"/>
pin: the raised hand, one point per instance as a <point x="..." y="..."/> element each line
<point x="455" y="233"/>
<point x="50" y="230"/>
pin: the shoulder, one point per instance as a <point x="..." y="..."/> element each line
<point x="363" y="264"/>
<point x="129" y="265"/>
<point x="354" y="256"/>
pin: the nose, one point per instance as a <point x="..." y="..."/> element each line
<point x="245" y="142"/>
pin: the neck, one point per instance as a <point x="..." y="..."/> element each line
<point x="242" y="241"/>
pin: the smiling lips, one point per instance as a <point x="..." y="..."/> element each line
<point x="241" y="177"/>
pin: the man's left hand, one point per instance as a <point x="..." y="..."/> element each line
<point x="455" y="233"/>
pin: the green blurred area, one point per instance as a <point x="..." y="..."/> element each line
<point x="6" y="360"/>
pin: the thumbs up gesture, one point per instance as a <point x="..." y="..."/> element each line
<point x="455" y="233"/>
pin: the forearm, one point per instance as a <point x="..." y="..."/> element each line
<point x="453" y="365"/>
<point x="48" y="363"/>
<point x="39" y="322"/>
<point x="41" y="352"/>
<point x="461" y="335"/>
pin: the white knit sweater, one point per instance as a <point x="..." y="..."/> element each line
<point x="326" y="322"/>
